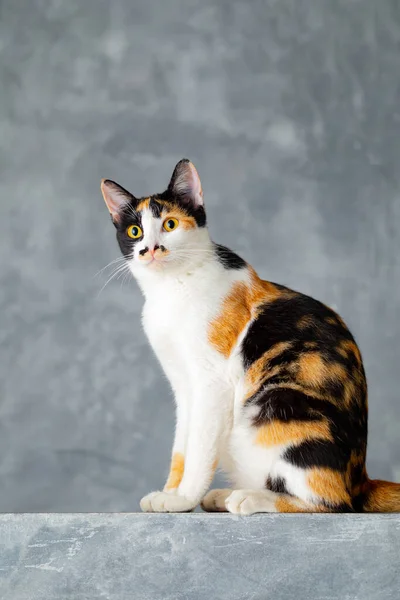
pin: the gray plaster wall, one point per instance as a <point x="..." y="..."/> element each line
<point x="190" y="557"/>
<point x="290" y="110"/>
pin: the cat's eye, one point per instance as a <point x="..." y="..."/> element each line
<point x="134" y="232"/>
<point x="170" y="224"/>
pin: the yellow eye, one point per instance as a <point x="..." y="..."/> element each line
<point x="170" y="224"/>
<point x="134" y="232"/>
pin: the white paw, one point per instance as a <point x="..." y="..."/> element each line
<point x="248" y="502"/>
<point x="166" y="502"/>
<point x="214" y="501"/>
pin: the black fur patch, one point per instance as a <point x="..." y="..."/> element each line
<point x="228" y="258"/>
<point x="284" y="404"/>
<point x="339" y="508"/>
<point x="357" y="474"/>
<point x="155" y="207"/>
<point x="318" y="453"/>
<point x="359" y="502"/>
<point x="278" y="322"/>
<point x="277" y="485"/>
<point x="128" y="217"/>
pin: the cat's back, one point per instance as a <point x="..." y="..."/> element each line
<point x="300" y="320"/>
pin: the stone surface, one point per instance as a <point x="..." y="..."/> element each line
<point x="290" y="110"/>
<point x="179" y="557"/>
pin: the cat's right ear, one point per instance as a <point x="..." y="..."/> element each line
<point x="185" y="184"/>
<point x="116" y="198"/>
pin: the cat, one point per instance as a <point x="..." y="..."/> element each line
<point x="269" y="383"/>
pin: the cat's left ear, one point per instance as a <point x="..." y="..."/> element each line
<point x="116" y="198"/>
<point x="185" y="184"/>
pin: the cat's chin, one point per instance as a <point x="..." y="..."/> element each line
<point x="156" y="264"/>
<point x="151" y="263"/>
<point x="151" y="266"/>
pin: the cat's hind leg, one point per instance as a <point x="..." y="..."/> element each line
<point x="214" y="501"/>
<point x="249" y="502"/>
<point x="240" y="502"/>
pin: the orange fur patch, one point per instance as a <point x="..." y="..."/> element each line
<point x="382" y="496"/>
<point x="284" y="504"/>
<point x="331" y="321"/>
<point x="305" y="322"/>
<point x="278" y="433"/>
<point x="184" y="221"/>
<point x="329" y="486"/>
<point x="346" y="347"/>
<point x="337" y="371"/>
<point x="262" y="291"/>
<point x="176" y="471"/>
<point x="314" y="371"/>
<point x="236" y="313"/>
<point x="238" y="307"/>
<point x="351" y="393"/>
<point x="172" y="210"/>
<point x="161" y="253"/>
<point x="310" y="345"/>
<point x="143" y="204"/>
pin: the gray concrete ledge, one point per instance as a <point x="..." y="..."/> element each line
<point x="176" y="557"/>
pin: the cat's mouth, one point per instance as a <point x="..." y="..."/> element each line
<point x="153" y="262"/>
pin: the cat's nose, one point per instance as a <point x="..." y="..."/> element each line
<point x="156" y="247"/>
<point x="152" y="251"/>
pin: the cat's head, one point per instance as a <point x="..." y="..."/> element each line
<point x="162" y="231"/>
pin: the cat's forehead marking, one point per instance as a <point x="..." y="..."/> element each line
<point x="155" y="206"/>
<point x="143" y="204"/>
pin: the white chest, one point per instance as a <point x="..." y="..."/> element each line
<point x="178" y="312"/>
<point x="175" y="320"/>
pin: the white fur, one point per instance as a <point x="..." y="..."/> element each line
<point x="183" y="294"/>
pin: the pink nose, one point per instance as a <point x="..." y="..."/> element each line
<point x="151" y="251"/>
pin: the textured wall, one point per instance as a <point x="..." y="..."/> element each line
<point x="289" y="109"/>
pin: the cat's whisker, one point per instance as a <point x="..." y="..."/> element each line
<point x="117" y="271"/>
<point x="123" y="277"/>
<point x="126" y="277"/>
<point x="118" y="260"/>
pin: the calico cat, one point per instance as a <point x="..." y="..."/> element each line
<point x="269" y="383"/>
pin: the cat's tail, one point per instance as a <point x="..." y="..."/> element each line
<point x="382" y="496"/>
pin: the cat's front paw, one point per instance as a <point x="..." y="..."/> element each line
<point x="166" y="502"/>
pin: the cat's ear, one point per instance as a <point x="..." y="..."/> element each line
<point x="116" y="198"/>
<point x="185" y="184"/>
